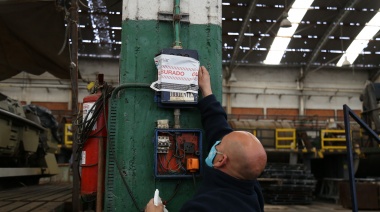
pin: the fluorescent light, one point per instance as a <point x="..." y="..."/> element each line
<point x="284" y="35"/>
<point x="277" y="50"/>
<point x="361" y="40"/>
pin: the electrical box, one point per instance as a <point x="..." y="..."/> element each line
<point x="169" y="99"/>
<point x="177" y="153"/>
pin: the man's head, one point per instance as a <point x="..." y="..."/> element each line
<point x="241" y="155"/>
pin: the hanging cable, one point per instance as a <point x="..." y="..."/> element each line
<point x="113" y="158"/>
<point x="86" y="124"/>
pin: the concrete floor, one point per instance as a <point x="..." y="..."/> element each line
<point x="36" y="198"/>
<point x="39" y="198"/>
<point x="314" y="207"/>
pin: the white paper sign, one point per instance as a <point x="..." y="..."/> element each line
<point x="176" y="74"/>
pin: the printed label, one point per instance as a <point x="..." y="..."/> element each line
<point x="185" y="97"/>
<point x="83" y="161"/>
<point x="87" y="112"/>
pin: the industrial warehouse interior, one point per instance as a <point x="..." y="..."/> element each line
<point x="101" y="109"/>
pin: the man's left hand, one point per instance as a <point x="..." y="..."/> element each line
<point x="150" y="207"/>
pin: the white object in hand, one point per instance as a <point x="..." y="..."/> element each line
<point x="157" y="199"/>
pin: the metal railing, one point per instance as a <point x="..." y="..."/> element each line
<point x="347" y="113"/>
<point x="285" y="138"/>
<point x="68" y="135"/>
<point x="333" y="139"/>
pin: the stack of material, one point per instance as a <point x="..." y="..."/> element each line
<point x="287" y="184"/>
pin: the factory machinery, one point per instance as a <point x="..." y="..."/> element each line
<point x="28" y="142"/>
<point x="307" y="156"/>
<point x="300" y="155"/>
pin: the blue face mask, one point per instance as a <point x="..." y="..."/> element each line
<point x="211" y="155"/>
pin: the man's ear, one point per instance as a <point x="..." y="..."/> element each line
<point x="220" y="160"/>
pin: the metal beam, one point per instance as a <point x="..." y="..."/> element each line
<point x="74" y="19"/>
<point x="317" y="67"/>
<point x="243" y="28"/>
<point x="375" y="76"/>
<point x="333" y="26"/>
<point x="23" y="1"/>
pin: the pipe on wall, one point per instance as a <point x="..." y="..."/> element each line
<point x="301" y="108"/>
<point x="300" y="87"/>
<point x="277" y="94"/>
<point x="228" y="101"/>
<point x="340" y="90"/>
<point x="67" y="86"/>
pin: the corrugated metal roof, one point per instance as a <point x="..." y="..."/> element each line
<point x="100" y="32"/>
<point x="316" y="24"/>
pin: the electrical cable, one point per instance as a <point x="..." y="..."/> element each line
<point x="84" y="5"/>
<point x="194" y="180"/>
<point x="113" y="95"/>
<point x="162" y="163"/>
<point x="127" y="186"/>
<point x="86" y="125"/>
<point x="113" y="4"/>
<point x="67" y="14"/>
<point x="170" y="168"/>
<point x="176" y="189"/>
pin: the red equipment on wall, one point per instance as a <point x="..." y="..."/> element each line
<point x="94" y="145"/>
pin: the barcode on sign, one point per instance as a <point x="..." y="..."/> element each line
<point x="184" y="97"/>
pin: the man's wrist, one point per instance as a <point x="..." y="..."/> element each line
<point x="206" y="93"/>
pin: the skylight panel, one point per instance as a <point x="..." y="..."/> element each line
<point x="277" y="50"/>
<point x="361" y="40"/>
<point x="284" y="35"/>
<point x="232" y="33"/>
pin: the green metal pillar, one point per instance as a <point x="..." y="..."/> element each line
<point x="130" y="181"/>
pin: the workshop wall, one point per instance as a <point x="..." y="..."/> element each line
<point x="270" y="89"/>
<point x="257" y="91"/>
<point x="46" y="88"/>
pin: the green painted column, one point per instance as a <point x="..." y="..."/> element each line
<point x="130" y="181"/>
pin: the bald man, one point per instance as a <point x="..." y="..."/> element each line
<point x="235" y="160"/>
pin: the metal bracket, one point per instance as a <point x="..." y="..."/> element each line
<point x="168" y="16"/>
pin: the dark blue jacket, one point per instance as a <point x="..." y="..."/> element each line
<point x="219" y="191"/>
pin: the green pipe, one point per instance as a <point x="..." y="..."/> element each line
<point x="112" y="157"/>
<point x="176" y="19"/>
<point x="128" y="85"/>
